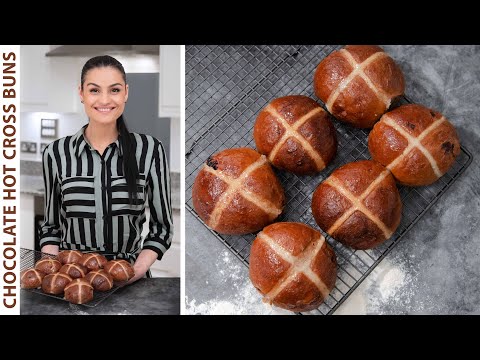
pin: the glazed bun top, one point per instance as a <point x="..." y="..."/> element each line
<point x="358" y="84"/>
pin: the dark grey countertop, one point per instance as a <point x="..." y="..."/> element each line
<point x="32" y="185"/>
<point x="155" y="296"/>
<point x="434" y="268"/>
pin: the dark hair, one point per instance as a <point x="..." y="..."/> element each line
<point x="130" y="167"/>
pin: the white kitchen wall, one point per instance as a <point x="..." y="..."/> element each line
<point x="68" y="124"/>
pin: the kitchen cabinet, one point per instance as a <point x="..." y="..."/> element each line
<point x="34" y="78"/>
<point x="141" y="110"/>
<point x="169" y="94"/>
<point x="63" y="80"/>
<point x="169" y="104"/>
<point x="48" y="84"/>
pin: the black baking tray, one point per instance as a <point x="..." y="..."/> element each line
<point x="226" y="88"/>
<point x="28" y="258"/>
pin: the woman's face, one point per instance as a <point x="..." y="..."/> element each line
<point x="104" y="95"/>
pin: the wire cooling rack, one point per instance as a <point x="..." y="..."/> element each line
<point x="28" y="259"/>
<point x="227" y="86"/>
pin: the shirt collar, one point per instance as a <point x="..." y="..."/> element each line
<point x="80" y="142"/>
<point x="118" y="145"/>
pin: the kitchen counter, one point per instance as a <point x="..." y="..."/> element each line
<point x="434" y="268"/>
<point x="33" y="185"/>
<point x="154" y="296"/>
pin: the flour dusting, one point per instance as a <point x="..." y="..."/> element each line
<point x="393" y="286"/>
<point x="246" y="300"/>
<point x="390" y="286"/>
<point x="77" y="309"/>
<point x="391" y="282"/>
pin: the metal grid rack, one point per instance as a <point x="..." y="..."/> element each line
<point x="227" y="86"/>
<point x="28" y="259"/>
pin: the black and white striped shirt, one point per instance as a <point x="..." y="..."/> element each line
<point x="86" y="197"/>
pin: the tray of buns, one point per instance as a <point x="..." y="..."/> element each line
<point x="226" y="89"/>
<point x="32" y="259"/>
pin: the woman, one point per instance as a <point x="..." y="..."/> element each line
<point x="99" y="181"/>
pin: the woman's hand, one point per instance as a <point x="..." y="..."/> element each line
<point x="145" y="259"/>
<point x="50" y="249"/>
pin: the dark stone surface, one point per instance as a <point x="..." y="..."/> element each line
<point x="155" y="296"/>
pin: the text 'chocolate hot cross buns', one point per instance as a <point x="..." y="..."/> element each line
<point x="237" y="192"/>
<point x="296" y="135"/>
<point x="416" y="143"/>
<point x="358" y="83"/>
<point x="293" y="266"/>
<point x="358" y="204"/>
<point x="79" y="291"/>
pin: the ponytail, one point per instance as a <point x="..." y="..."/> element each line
<point x="130" y="167"/>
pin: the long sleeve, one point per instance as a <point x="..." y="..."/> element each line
<point x="160" y="235"/>
<point x="50" y="232"/>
